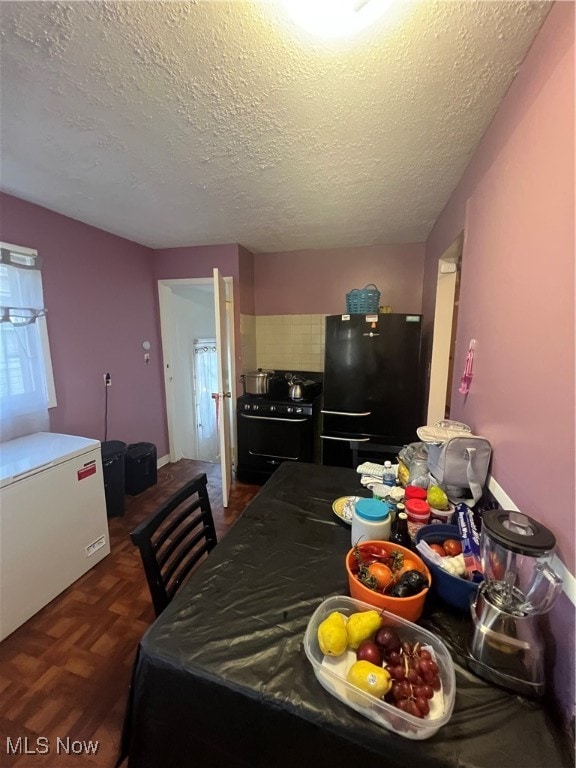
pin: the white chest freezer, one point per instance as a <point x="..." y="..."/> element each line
<point x="53" y="523"/>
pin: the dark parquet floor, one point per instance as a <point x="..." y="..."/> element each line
<point x="65" y="673"/>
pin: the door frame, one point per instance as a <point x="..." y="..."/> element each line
<point x="444" y="334"/>
<point x="164" y="303"/>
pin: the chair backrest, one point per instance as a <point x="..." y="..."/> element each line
<point x="173" y="540"/>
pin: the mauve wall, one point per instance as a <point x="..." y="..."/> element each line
<point x="100" y="295"/>
<point x="516" y="205"/>
<point x="246" y="281"/>
<point x="316" y="282"/>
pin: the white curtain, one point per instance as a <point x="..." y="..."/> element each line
<point x="23" y="380"/>
<point x="206" y="382"/>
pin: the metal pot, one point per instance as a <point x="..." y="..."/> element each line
<point x="257" y="382"/>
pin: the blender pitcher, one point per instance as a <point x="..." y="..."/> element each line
<point x="519" y="585"/>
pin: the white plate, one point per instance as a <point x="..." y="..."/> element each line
<point x="344" y="508"/>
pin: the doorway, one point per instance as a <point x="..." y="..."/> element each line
<point x="205" y="378"/>
<point x="444" y="338"/>
<point x="188" y="322"/>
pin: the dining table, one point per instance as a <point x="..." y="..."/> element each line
<point x="221" y="678"/>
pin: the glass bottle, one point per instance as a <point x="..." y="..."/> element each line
<point x="401" y="535"/>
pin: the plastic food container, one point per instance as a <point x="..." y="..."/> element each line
<point x="414" y="492"/>
<point x="331" y="673"/>
<point x="418" y="510"/>
<point x="442" y="515"/>
<point x="409" y="608"/>
<point x="370" y="520"/>
<point x="454" y="590"/>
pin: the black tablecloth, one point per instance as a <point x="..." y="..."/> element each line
<point x="222" y="680"/>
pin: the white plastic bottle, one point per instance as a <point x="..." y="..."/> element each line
<point x="370" y="521"/>
<point x="389" y="476"/>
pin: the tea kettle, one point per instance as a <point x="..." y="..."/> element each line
<point x="296" y="388"/>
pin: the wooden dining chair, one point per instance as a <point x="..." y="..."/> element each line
<point x="174" y="539"/>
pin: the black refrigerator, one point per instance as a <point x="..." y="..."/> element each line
<point x="373" y="387"/>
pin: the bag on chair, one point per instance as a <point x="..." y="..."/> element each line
<point x="460" y="466"/>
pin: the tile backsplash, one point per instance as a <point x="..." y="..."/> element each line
<point x="284" y="341"/>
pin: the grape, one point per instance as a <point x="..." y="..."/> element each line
<point x="424" y="666"/>
<point x="397" y="672"/>
<point x="412" y="675"/>
<point x="415" y="674"/>
<point x="422" y="704"/>
<point x="401" y="690"/>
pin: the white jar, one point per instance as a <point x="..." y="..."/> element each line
<point x="370" y="521"/>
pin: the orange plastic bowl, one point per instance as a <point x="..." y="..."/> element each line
<point x="409" y="608"/>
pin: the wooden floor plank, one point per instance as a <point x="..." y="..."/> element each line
<point x="65" y="673"/>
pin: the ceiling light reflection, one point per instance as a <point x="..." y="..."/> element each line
<point x="335" y="18"/>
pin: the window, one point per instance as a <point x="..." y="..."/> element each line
<point x="26" y="382"/>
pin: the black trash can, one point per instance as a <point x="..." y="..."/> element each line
<point x="113" y="455"/>
<point x="140" y="468"/>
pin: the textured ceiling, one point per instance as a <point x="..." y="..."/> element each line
<point x="197" y="123"/>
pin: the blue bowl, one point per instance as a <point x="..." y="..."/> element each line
<point x="454" y="590"/>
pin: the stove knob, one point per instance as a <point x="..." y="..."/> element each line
<point x="289" y="409"/>
<point x="272" y="408"/>
<point x="246" y="407"/>
<point x="299" y="410"/>
<point x="254" y="407"/>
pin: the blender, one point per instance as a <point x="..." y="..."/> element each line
<point x="519" y="586"/>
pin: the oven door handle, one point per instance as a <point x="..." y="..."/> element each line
<point x="346" y="439"/>
<point x="272" y="418"/>
<point x="348" y="413"/>
<point x="272" y="456"/>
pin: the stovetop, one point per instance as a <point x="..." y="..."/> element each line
<point x="279" y="387"/>
<point x="277" y="401"/>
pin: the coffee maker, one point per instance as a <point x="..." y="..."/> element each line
<point x="519" y="586"/>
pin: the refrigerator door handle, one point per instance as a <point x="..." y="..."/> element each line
<point x="348" y="413"/>
<point x="346" y="439"/>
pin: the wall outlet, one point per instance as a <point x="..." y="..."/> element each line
<point x="95" y="546"/>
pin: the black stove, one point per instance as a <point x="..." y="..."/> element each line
<point x="274" y="428"/>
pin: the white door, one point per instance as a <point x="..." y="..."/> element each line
<point x="223" y="397"/>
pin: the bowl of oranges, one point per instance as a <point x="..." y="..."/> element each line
<point x="388" y="576"/>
